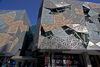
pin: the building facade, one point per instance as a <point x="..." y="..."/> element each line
<point x="13" y="26"/>
<point x="14" y="42"/>
<point x="68" y="26"/>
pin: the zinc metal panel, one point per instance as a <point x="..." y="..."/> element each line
<point x="78" y="19"/>
<point x="60" y="3"/>
<point x="96" y="10"/>
<point x="91" y="26"/>
<point x="48" y="4"/>
<point x="97" y="24"/>
<point x="94" y="35"/>
<point x="92" y="13"/>
<point x="2" y="22"/>
<point x="46" y="17"/>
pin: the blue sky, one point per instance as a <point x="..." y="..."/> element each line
<point x="31" y="7"/>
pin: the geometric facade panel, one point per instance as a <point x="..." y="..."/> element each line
<point x="79" y="28"/>
<point x="46" y="15"/>
<point x="69" y="24"/>
<point x="12" y="31"/>
<point x="14" y="43"/>
<point x="94" y="5"/>
<point x="59" y="21"/>
<point x="79" y="11"/>
<point x="86" y="5"/>
<point x="59" y="3"/>
<point x="1" y="22"/>
<point x="92" y="13"/>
